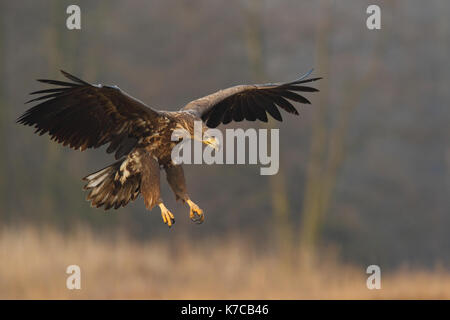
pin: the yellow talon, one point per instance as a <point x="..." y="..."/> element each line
<point x="196" y="214"/>
<point x="167" y="216"/>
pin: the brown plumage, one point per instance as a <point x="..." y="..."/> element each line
<point x="82" y="116"/>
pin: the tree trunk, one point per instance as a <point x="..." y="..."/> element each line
<point x="328" y="150"/>
<point x="277" y="187"/>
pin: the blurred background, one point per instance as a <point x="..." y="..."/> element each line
<point x="365" y="170"/>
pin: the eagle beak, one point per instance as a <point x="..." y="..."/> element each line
<point x="212" y="142"/>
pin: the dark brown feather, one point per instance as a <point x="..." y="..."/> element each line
<point x="81" y="116"/>
<point x="237" y="112"/>
<point x="269" y="106"/>
<point x="250" y="113"/>
<point x="250" y="102"/>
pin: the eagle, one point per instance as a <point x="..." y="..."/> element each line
<point x="81" y="115"/>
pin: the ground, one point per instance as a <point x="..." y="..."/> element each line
<point x="33" y="265"/>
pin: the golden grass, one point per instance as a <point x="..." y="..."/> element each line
<point x="33" y="264"/>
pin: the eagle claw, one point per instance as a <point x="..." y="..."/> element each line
<point x="167" y="216"/>
<point x="196" y="217"/>
<point x="196" y="214"/>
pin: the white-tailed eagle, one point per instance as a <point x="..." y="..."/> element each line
<point x="82" y="116"/>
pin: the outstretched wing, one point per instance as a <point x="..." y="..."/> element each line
<point x="82" y="115"/>
<point x="250" y="102"/>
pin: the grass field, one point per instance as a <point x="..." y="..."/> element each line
<point x="33" y="264"/>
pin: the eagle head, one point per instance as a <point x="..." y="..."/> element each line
<point x="196" y="129"/>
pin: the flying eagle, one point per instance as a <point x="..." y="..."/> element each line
<point x="83" y="115"/>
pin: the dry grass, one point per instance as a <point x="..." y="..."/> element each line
<point x="33" y="264"/>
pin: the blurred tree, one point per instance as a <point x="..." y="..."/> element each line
<point x="3" y="116"/>
<point x="328" y="142"/>
<point x="312" y="211"/>
<point x="50" y="185"/>
<point x="59" y="201"/>
<point x="277" y="187"/>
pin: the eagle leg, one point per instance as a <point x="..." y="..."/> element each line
<point x="175" y="177"/>
<point x="150" y="186"/>
<point x="196" y="214"/>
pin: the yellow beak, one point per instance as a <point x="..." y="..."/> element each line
<point x="212" y="142"/>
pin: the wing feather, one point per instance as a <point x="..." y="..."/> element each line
<point x="255" y="105"/>
<point x="81" y="115"/>
<point x="250" y="113"/>
<point x="251" y="102"/>
<point x="237" y="112"/>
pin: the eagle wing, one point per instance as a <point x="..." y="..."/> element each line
<point x="82" y="115"/>
<point x="250" y="102"/>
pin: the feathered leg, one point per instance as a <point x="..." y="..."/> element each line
<point x="150" y="188"/>
<point x="175" y="178"/>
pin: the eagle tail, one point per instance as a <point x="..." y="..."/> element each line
<point x="109" y="189"/>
